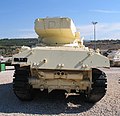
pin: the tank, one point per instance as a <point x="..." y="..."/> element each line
<point x="114" y="57"/>
<point x="59" y="62"/>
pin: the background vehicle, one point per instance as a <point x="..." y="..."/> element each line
<point x="114" y="57"/>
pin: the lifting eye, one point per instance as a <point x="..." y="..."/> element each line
<point x="45" y="60"/>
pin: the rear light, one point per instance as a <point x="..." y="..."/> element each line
<point x="20" y="59"/>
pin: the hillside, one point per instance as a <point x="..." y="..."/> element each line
<point x="8" y="46"/>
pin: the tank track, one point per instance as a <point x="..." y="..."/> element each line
<point x="21" y="87"/>
<point x="98" y="87"/>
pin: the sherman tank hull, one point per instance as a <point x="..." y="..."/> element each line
<point x="61" y="68"/>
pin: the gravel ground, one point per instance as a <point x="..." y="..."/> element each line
<point x="109" y="105"/>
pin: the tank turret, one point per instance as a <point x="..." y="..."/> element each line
<point x="57" y="31"/>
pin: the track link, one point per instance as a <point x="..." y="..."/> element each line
<point x="21" y="87"/>
<point x="98" y="87"/>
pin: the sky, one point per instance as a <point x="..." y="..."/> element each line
<point x="17" y="16"/>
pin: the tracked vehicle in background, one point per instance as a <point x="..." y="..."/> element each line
<point x="114" y="57"/>
<point x="59" y="62"/>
